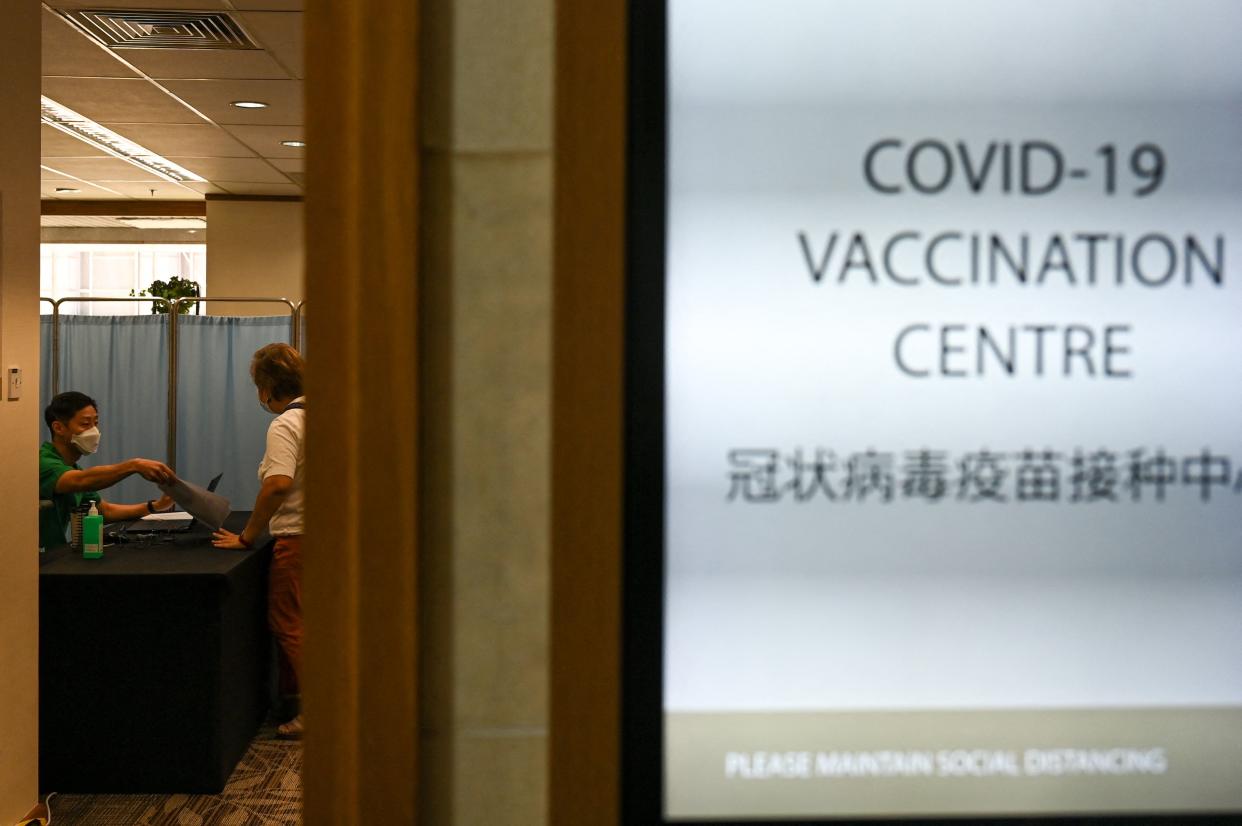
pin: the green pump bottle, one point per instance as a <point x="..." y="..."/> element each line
<point x="92" y="534"/>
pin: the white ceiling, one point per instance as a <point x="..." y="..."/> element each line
<point x="176" y="102"/>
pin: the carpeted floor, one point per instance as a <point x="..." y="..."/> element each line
<point x="265" y="790"/>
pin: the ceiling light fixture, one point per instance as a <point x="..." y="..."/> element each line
<point x="294" y="144"/>
<point x="159" y="222"/>
<point x="67" y="189"/>
<point x="249" y="104"/>
<point x="85" y="129"/>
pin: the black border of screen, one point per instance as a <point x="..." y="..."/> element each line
<point x="643" y="551"/>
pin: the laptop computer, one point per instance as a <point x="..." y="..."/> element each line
<point x="166" y="525"/>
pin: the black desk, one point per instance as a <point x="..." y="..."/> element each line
<point x="153" y="665"/>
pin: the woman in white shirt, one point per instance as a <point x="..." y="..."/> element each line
<point x="277" y="370"/>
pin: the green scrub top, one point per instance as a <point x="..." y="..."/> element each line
<point x="54" y="521"/>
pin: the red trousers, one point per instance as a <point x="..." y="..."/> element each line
<point x="284" y="610"/>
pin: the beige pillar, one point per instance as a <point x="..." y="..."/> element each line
<point x="20" y="421"/>
<point x="255" y="247"/>
<point x="486" y="273"/>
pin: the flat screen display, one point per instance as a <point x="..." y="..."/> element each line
<point x="953" y="419"/>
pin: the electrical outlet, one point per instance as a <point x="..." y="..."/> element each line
<point x="15" y="383"/>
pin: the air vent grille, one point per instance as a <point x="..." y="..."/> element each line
<point x="158" y="29"/>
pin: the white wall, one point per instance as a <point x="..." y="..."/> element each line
<point x="19" y="420"/>
<point x="254" y="248"/>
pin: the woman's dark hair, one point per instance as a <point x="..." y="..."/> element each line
<point x="65" y="406"/>
<point x="278" y="368"/>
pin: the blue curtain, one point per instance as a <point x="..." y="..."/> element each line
<point x="122" y="363"/>
<point x="220" y="426"/>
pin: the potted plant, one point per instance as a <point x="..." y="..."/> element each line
<point x="170" y="290"/>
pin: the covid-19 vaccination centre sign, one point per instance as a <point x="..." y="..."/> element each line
<point x="951" y="512"/>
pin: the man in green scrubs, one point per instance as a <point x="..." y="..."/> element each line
<point x="73" y="419"/>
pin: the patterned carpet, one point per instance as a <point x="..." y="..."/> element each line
<point x="265" y="790"/>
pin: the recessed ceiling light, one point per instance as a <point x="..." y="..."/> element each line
<point x="249" y="104"/>
<point x="85" y="129"/>
<point x="295" y="144"/>
<point x="67" y="189"/>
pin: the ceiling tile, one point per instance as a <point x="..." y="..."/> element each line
<point x="103" y="169"/>
<point x="205" y="63"/>
<point x="252" y="170"/>
<point x="54" y="143"/>
<point x="118" y="101"/>
<point x="79" y="221"/>
<point x="288" y="165"/>
<point x="265" y="140"/>
<point x="280" y="33"/>
<point x="51" y="173"/>
<point x="212" y="98"/>
<point x="66" y="51"/>
<point x="238" y="188"/>
<point x="268" y="5"/>
<point x="85" y="192"/>
<point x="185" y="140"/>
<point x="164" y="191"/>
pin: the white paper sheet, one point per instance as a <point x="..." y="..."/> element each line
<point x="171" y="516"/>
<point x="209" y="508"/>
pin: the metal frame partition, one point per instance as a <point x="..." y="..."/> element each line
<point x="297" y="326"/>
<point x="174" y="306"/>
<point x="55" y="343"/>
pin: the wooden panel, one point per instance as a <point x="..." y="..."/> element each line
<point x="361" y="571"/>
<point x="125" y="208"/>
<point x="588" y="369"/>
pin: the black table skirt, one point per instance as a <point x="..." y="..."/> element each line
<point x="154" y="664"/>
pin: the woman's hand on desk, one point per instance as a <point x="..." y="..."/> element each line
<point x="227" y="539"/>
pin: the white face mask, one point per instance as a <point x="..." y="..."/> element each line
<point x="87" y="441"/>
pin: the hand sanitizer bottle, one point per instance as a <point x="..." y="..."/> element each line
<point x="92" y="534"/>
